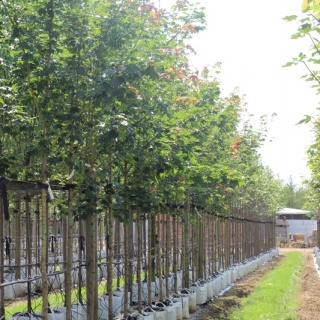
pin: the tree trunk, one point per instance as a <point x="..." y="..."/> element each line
<point x="91" y="267"/>
<point x="186" y="242"/>
<point x="228" y="243"/>
<point x="168" y="249"/>
<point x="17" y="248"/>
<point x="44" y="242"/>
<point x="68" y="285"/>
<point x="126" y="268"/>
<point x="219" y="243"/>
<point x="213" y="244"/>
<point x="205" y="222"/>
<point x="194" y="251"/>
<point x="151" y="246"/>
<point x="175" y="250"/>
<point x="81" y="252"/>
<point x="34" y="234"/>
<point x="38" y="231"/>
<point x="130" y="249"/>
<point x="159" y="256"/>
<point x="199" y="257"/>
<point x="138" y="227"/>
<point x="28" y="248"/>
<point x="117" y="248"/>
<point x="110" y="248"/>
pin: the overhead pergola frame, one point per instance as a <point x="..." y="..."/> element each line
<point x="20" y="187"/>
<point x="27" y="186"/>
<point x="17" y="185"/>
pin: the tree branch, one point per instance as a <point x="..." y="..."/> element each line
<point x="313" y="75"/>
<point x="315" y="18"/>
<point x="314" y="44"/>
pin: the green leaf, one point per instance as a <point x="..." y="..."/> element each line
<point x="306" y="119"/>
<point x="297" y="35"/>
<point x="54" y="160"/>
<point x="81" y="71"/>
<point x="7" y="130"/>
<point x="132" y="69"/>
<point x="290" y="18"/>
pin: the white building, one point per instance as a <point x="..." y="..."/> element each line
<point x="282" y="230"/>
<point x="298" y="222"/>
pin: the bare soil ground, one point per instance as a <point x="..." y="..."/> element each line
<point x="309" y="300"/>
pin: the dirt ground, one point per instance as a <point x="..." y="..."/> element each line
<point x="309" y="300"/>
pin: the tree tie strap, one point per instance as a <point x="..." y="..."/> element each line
<point x="4" y="198"/>
<point x="108" y="242"/>
<point x="68" y="186"/>
<point x="81" y="243"/>
<point x="42" y="185"/>
<point x="7" y="241"/>
<point x="53" y="240"/>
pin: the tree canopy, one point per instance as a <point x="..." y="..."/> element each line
<point x="309" y="27"/>
<point x="92" y="86"/>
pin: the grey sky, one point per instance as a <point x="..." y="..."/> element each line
<point x="252" y="41"/>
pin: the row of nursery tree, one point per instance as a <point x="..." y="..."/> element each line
<point x="99" y="96"/>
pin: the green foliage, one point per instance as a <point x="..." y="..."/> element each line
<point x="309" y="26"/>
<point x="258" y="189"/>
<point x="290" y="18"/>
<point x="293" y="196"/>
<point x="104" y="88"/>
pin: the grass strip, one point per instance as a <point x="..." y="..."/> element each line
<point x="276" y="296"/>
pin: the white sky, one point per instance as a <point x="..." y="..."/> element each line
<point x="253" y="42"/>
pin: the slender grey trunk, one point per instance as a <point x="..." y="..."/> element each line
<point x="159" y="256"/>
<point x="186" y="241"/>
<point x="138" y="228"/>
<point x="69" y="251"/>
<point x="17" y="252"/>
<point x="110" y="248"/>
<point x="151" y="254"/>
